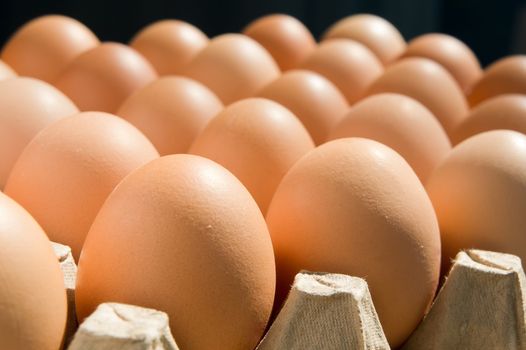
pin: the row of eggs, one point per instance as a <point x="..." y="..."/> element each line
<point x="202" y="236"/>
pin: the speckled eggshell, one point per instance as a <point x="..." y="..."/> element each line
<point x="6" y="72"/>
<point x="401" y="123"/>
<point x="66" y="172"/>
<point x="32" y="292"/>
<point x="102" y="78"/>
<point x="169" y="45"/>
<point x="349" y="65"/>
<point x="505" y="76"/>
<point x="429" y="83"/>
<point x="27" y="106"/>
<point x="171" y="112"/>
<point x="355" y="206"/>
<point x="317" y="103"/>
<point x="184" y="236"/>
<point x="45" y="45"/>
<point x="506" y="111"/>
<point x="451" y="53"/>
<point x="234" y="67"/>
<point x="380" y="36"/>
<point x="284" y="37"/>
<point x="479" y="194"/>
<point x="258" y="140"/>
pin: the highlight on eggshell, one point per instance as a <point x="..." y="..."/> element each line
<point x="169" y="45"/>
<point x="44" y="46"/>
<point x="284" y="37"/>
<point x="6" y="71"/>
<point x="65" y="173"/>
<point x="171" y="112"/>
<point x="313" y="99"/>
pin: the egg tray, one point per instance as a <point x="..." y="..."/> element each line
<point x="480" y="306"/>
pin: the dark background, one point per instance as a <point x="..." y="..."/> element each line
<point x="491" y="28"/>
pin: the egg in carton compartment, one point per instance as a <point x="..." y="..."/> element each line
<point x="480" y="306"/>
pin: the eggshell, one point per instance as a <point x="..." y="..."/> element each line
<point x="451" y="53"/>
<point x="258" y="140"/>
<point x="45" y="45"/>
<point x="171" y="112"/>
<point x="6" y="71"/>
<point x="102" y="78"/>
<point x="506" y="111"/>
<point x="317" y="103"/>
<point x="355" y="206"/>
<point x="234" y="67"/>
<point x="32" y="293"/>
<point x="27" y="106"/>
<point x="479" y="195"/>
<point x="66" y="172"/>
<point x="284" y="37"/>
<point x="349" y="65"/>
<point x="184" y="236"/>
<point x="380" y="36"/>
<point x="401" y="123"/>
<point x="169" y="45"/>
<point x="429" y="83"/>
<point x="505" y="76"/>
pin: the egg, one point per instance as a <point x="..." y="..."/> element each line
<point x="401" y="123"/>
<point x="479" y="195"/>
<point x="27" y="106"/>
<point x="258" y="140"/>
<point x="233" y="66"/>
<point x="45" y="45"/>
<point x="102" y="78"/>
<point x="169" y="45"/>
<point x="6" y="71"/>
<point x="349" y="65"/>
<point x="505" y="76"/>
<point x="171" y="112"/>
<point x="380" y="36"/>
<point x="183" y="235"/>
<point x="313" y="99"/>
<point x="284" y="37"/>
<point x="32" y="294"/>
<point x="66" y="172"/>
<point x="451" y="53"/>
<point x="506" y="111"/>
<point x="429" y="83"/>
<point x="355" y="206"/>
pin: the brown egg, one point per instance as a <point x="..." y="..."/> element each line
<point x="506" y="111"/>
<point x="349" y="65"/>
<point x="171" y="112"/>
<point x="102" y="78"/>
<point x="429" y="83"/>
<point x="317" y="103"/>
<point x="44" y="46"/>
<point x="380" y="36"/>
<point x="505" y="76"/>
<point x="451" y="53"/>
<point x="169" y="45"/>
<point x="284" y="37"/>
<point x="355" y="206"/>
<point x="401" y="123"/>
<point x="234" y="67"/>
<point x="479" y="195"/>
<point x="27" y="106"/>
<point x="66" y="172"/>
<point x="32" y="292"/>
<point x="6" y="71"/>
<point x="258" y="140"/>
<point x="184" y="236"/>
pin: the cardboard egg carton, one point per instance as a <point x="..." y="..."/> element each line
<point x="480" y="306"/>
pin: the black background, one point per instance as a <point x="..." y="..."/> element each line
<point x="491" y="28"/>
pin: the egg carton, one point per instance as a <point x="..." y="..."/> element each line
<point x="480" y="306"/>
